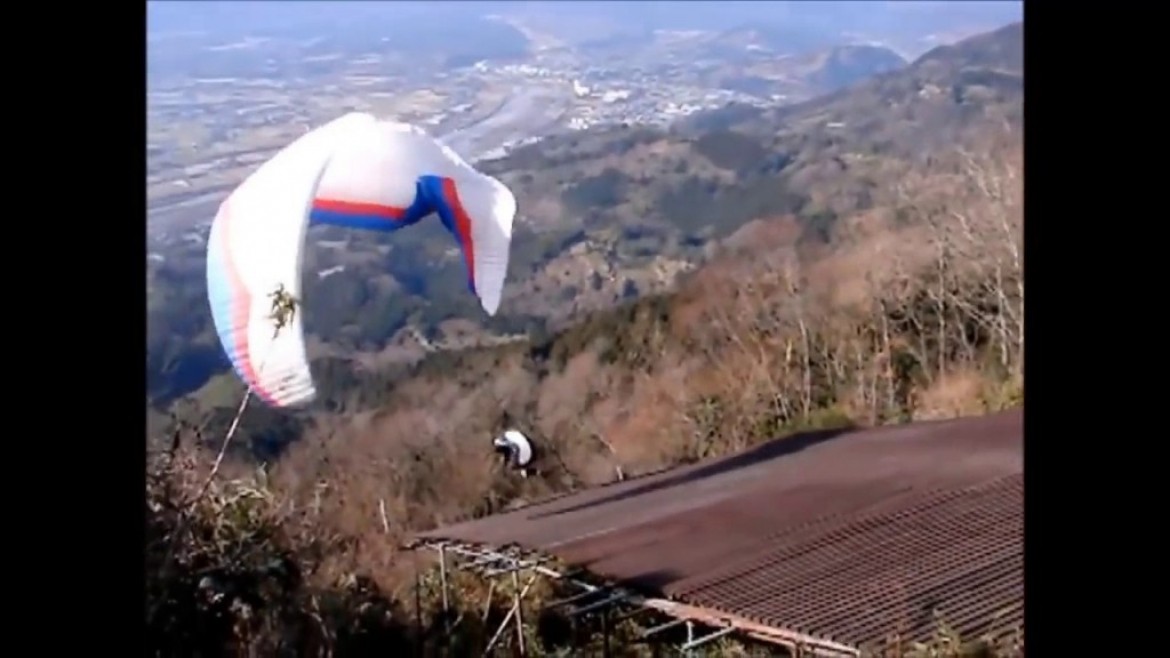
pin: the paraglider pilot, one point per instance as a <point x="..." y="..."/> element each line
<point x="508" y="454"/>
<point x="515" y="450"/>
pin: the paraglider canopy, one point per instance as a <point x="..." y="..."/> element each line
<point x="355" y="172"/>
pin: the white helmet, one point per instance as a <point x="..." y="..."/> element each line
<point x="514" y="447"/>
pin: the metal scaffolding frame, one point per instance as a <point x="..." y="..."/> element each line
<point x="511" y="561"/>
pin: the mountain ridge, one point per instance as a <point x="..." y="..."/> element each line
<point x="645" y="199"/>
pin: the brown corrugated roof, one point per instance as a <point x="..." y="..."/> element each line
<point x="849" y="536"/>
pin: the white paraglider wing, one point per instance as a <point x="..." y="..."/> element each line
<point x="354" y="172"/>
<point x="373" y="180"/>
<point x="256" y="247"/>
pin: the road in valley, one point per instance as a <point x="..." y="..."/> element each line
<point x="526" y="113"/>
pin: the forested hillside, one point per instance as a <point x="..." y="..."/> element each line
<point x="609" y="217"/>
<point x="861" y="264"/>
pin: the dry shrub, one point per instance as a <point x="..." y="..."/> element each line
<point x="952" y="395"/>
<point x="644" y="426"/>
<point x="233" y="572"/>
<point x="242" y="570"/>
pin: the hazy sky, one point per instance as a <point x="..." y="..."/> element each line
<point x="267" y="17"/>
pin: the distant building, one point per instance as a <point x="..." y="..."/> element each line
<point x="615" y="95"/>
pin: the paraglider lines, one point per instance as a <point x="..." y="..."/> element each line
<point x="284" y="307"/>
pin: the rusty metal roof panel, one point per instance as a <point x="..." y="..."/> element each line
<point x="860" y="579"/>
<point x="844" y="535"/>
